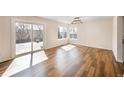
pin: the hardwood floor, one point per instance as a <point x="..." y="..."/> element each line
<point x="80" y="61"/>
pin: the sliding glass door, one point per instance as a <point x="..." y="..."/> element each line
<point x="37" y="37"/>
<point x="29" y="37"/>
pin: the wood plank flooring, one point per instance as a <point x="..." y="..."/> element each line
<point x="80" y="61"/>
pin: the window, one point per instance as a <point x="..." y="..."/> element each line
<point x="73" y="33"/>
<point x="62" y="32"/>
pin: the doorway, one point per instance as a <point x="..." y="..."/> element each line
<point x="29" y="37"/>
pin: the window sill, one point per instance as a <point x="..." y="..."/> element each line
<point x="73" y="39"/>
<point x="62" y="39"/>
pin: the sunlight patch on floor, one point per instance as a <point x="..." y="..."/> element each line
<point x="24" y="62"/>
<point x="68" y="47"/>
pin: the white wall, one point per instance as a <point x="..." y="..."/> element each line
<point x="114" y="38"/>
<point x="96" y="33"/>
<point x="123" y="39"/>
<point x="118" y="37"/>
<point x="5" y="46"/>
<point x="7" y="34"/>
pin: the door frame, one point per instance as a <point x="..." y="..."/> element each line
<point x="13" y="35"/>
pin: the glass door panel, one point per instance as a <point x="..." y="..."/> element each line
<point x="37" y="37"/>
<point x="23" y="38"/>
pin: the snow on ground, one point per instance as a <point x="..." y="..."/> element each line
<point x="26" y="47"/>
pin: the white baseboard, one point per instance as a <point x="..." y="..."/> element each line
<point x="120" y="61"/>
<point x="4" y="60"/>
<point x="92" y="46"/>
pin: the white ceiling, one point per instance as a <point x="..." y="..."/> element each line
<point x="68" y="19"/>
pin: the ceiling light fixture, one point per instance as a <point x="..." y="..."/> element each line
<point x="78" y="20"/>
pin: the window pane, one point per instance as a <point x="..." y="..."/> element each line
<point x="73" y="33"/>
<point x="59" y="33"/>
<point x="62" y="32"/>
